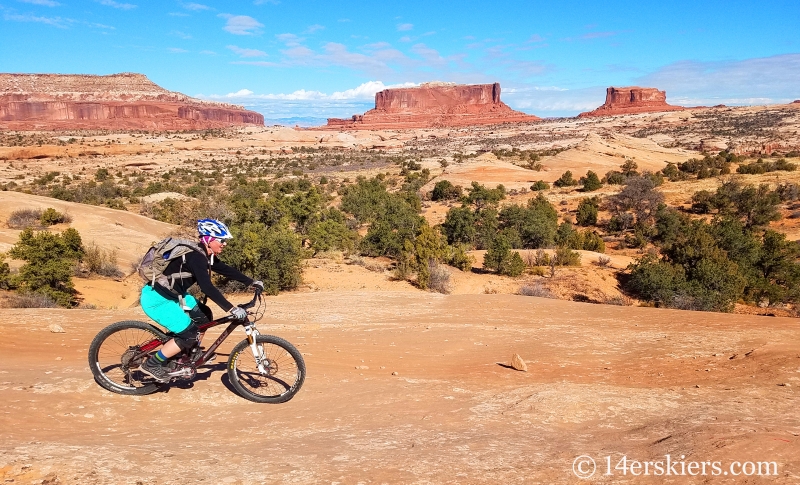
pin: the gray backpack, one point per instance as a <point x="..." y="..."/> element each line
<point x="155" y="261"/>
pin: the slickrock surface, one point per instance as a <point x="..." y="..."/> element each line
<point x="632" y="99"/>
<point x="434" y="105"/>
<point x="117" y="101"/>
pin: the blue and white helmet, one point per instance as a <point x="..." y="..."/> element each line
<point x="213" y="228"/>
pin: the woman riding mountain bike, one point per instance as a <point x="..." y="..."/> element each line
<point x="167" y="302"/>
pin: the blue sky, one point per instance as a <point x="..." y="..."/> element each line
<point x="290" y="59"/>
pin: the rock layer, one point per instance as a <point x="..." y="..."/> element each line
<point x="631" y="100"/>
<point x="117" y="101"/>
<point x="434" y="105"/>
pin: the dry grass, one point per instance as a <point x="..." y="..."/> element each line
<point x="29" y="300"/>
<point x="25" y="218"/>
<point x="536" y="289"/>
<point x="101" y="261"/>
<point x="440" y="278"/>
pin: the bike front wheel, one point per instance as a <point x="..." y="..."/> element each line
<point x="281" y="374"/>
<point x="118" y="350"/>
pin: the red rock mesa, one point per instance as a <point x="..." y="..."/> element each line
<point x="434" y="104"/>
<point x="117" y="101"/>
<point x="632" y="99"/>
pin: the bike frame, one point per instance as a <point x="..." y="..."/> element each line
<point x="249" y="329"/>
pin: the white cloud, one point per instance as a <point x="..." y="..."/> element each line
<point x="121" y="6"/>
<point x="46" y="3"/>
<point x="241" y="24"/>
<point x="182" y="35"/>
<point x="195" y="6"/>
<point x="313" y="28"/>
<point x="762" y="80"/>
<point x="59" y="22"/>
<point x="363" y="92"/>
<point x="177" y="50"/>
<point x="243" y="52"/>
<point x="404" y="27"/>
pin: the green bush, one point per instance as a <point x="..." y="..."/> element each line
<point x="587" y="211"/>
<point x="536" y="223"/>
<point x="332" y="233"/>
<point x="395" y="222"/>
<point x="459" y="258"/>
<point x="500" y="258"/>
<point x="49" y="263"/>
<point x="5" y="273"/>
<point x="51" y="216"/>
<point x="564" y="256"/>
<point x="480" y="196"/>
<point x="565" y="180"/>
<point x="272" y="255"/>
<point x="459" y="226"/>
<point x="445" y="190"/>
<point x="591" y="182"/>
<point x="540" y="185"/>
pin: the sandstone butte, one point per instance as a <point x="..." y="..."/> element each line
<point x="434" y="104"/>
<point x="631" y="100"/>
<point x="117" y="101"/>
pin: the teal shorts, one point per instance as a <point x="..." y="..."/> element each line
<point x="164" y="312"/>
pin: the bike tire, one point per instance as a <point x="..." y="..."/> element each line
<point x="286" y="370"/>
<point x="115" y="355"/>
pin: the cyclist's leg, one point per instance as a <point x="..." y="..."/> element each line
<point x="169" y="314"/>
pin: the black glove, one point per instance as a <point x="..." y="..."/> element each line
<point x="239" y="313"/>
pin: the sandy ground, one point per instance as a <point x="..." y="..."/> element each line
<point x="601" y="381"/>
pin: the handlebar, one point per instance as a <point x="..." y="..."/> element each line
<point x="252" y="302"/>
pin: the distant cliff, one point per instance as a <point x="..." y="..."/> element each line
<point x="434" y="105"/>
<point x="632" y="99"/>
<point x="117" y="101"/>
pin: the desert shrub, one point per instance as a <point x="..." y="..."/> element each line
<point x="590" y="182"/>
<point x="49" y="261"/>
<point x="500" y="258"/>
<point x="638" y="196"/>
<point x="332" y="233"/>
<point x="445" y="190"/>
<point x="629" y="168"/>
<point x="30" y="300"/>
<point x="272" y="255"/>
<point x="566" y="235"/>
<point x="51" y="216"/>
<point x="787" y="191"/>
<point x="540" y="185"/>
<point x="542" y="258"/>
<point x="762" y="166"/>
<point x="564" y="256"/>
<point x="565" y="180"/>
<point x="480" y="196"/>
<point x="5" y="273"/>
<point x="427" y="249"/>
<point x="603" y="261"/>
<point x="535" y="289"/>
<point x="100" y="261"/>
<point x="24" y="218"/>
<point x="458" y="257"/>
<point x="536" y="223"/>
<point x="620" y="222"/>
<point x="587" y="211"/>
<point x="591" y="241"/>
<point x="673" y="173"/>
<point x="395" y="223"/>
<point x="439" y="279"/>
<point x="459" y="226"/>
<point x="365" y="199"/>
<point x="486" y="227"/>
<point x="702" y="202"/>
<point x="615" y="178"/>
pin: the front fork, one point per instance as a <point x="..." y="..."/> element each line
<point x="258" y="351"/>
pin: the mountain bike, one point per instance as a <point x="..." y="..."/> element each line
<point x="261" y="368"/>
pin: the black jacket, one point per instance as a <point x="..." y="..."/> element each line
<point x="198" y="265"/>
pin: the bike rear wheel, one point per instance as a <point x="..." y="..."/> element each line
<point x="284" y="369"/>
<point x="117" y="352"/>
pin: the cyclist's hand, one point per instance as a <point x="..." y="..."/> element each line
<point x="258" y="285"/>
<point x="238" y="313"/>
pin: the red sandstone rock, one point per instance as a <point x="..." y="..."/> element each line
<point x="632" y="99"/>
<point x="434" y="105"/>
<point x="118" y="101"/>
